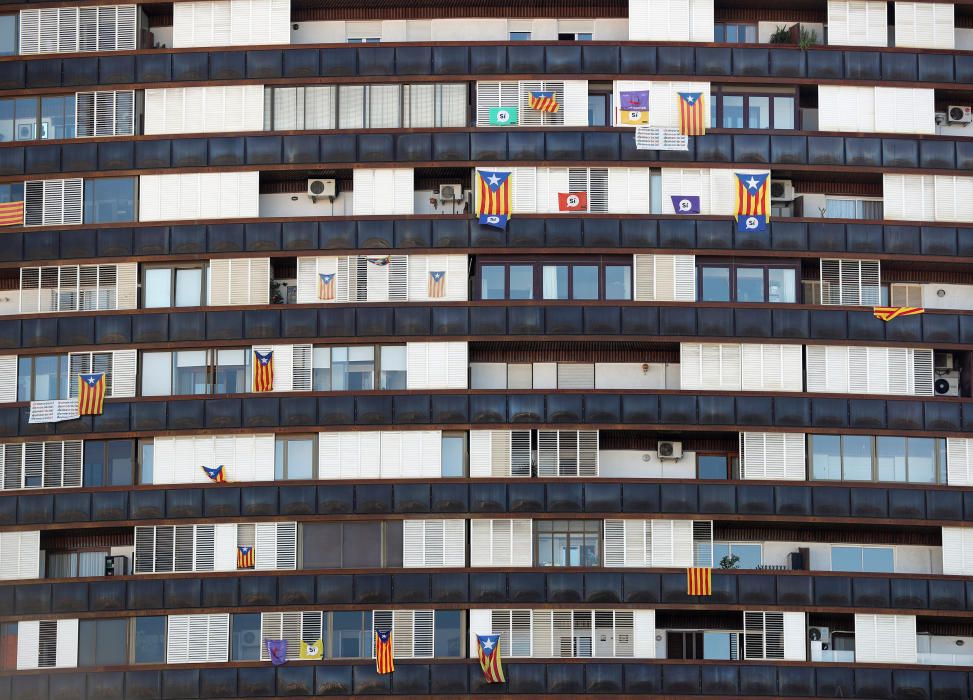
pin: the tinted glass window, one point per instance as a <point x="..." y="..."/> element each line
<point x="711" y="466"/>
<point x="109" y="199"/>
<point x="189" y="369"/>
<point x="57" y="117"/>
<point x="857" y="457"/>
<point x="555" y="281"/>
<point x="8" y="35"/>
<point x="448" y="633"/>
<point x="826" y="456"/>
<point x="189" y="286"/>
<point x="585" y="281"/>
<point x="156" y="373"/>
<point x="492" y="282"/>
<point x="392" y="361"/>
<point x="119" y="463"/>
<point x="245" y="637"/>
<point x="716" y="284"/>
<point x="158" y="288"/>
<point x="750" y="284"/>
<point x="454" y="455"/>
<point x="521" y="282"/>
<point x="618" y="282"/>
<point x="294" y="458"/>
<point x="232" y="371"/>
<point x="783" y="112"/>
<point x="150" y="640"/>
<point x="351" y="635"/>
<point x="781" y="286"/>
<point x="102" y="642"/>
<point x="732" y="111"/>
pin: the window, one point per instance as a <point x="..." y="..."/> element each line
<point x="747" y="283"/>
<point x="103" y="642"/>
<point x="31" y="118"/>
<point x="352" y="545"/>
<point x="712" y="466"/>
<point x="881" y="458"/>
<point x="454" y="454"/>
<point x="12" y="192"/>
<point x="8" y="646"/>
<point x="599" y="109"/>
<point x="574" y="36"/>
<point x="568" y="542"/>
<point x="294" y="457"/>
<point x="74" y="564"/>
<point x="351" y="635"/>
<point x="8" y="35"/>
<point x="149" y="643"/>
<point x="109" y="462"/>
<point x="109" y="199"/>
<point x="597" y="278"/>
<point x="364" y="40"/>
<point x="245" y="637"/>
<point x="519" y="36"/>
<point x="735" y="33"/>
<point x="750" y="555"/>
<point x="354" y="368"/>
<point x="146" y="460"/>
<point x="749" y="111"/>
<point x="871" y="559"/>
<point x="174" y="373"/>
<point x="232" y="371"/>
<point x="448" y="633"/>
<point x="164" y="287"/>
<point x="392" y="367"/>
<point x="42" y="377"/>
<point x="841" y="208"/>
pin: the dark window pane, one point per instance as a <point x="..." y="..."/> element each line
<point x="245" y="637"/>
<point x="94" y="463"/>
<point x="351" y="635"/>
<point x="448" y="633"/>
<point x="585" y="280"/>
<point x="321" y="545"/>
<point x="150" y="640"/>
<point x="711" y="466"/>
<point x="618" y="282"/>
<point x="361" y="545"/>
<point x="109" y="199"/>
<point x="521" y="282"/>
<point x="750" y="284"/>
<point x="120" y="462"/>
<point x="492" y="282"/>
<point x="716" y="284"/>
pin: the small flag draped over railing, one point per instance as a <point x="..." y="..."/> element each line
<point x="699" y="581"/>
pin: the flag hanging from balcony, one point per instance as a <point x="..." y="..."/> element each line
<point x="699" y="581"/>
<point x="383" y="652"/>
<point x="326" y="287"/>
<point x="217" y="474"/>
<point x="263" y="371"/>
<point x="493" y="198"/>
<point x="887" y="313"/>
<point x="504" y="116"/>
<point x="312" y="650"/>
<point x="488" y="650"/>
<point x="244" y="557"/>
<point x="685" y="204"/>
<point x="752" y="201"/>
<point x="543" y="101"/>
<point x="277" y="648"/>
<point x="633" y="100"/>
<point x="572" y="201"/>
<point x="12" y="214"/>
<point x="692" y="117"/>
<point x="634" y="117"/>
<point x="436" y="288"/>
<point x="380" y="261"/>
<point x="91" y="394"/>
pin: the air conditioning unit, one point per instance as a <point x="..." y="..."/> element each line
<point x="959" y="114"/>
<point x="781" y="190"/>
<point x="819" y="634"/>
<point x="942" y="361"/>
<point x="450" y="193"/>
<point x="946" y="382"/>
<point x="321" y="188"/>
<point x="670" y="450"/>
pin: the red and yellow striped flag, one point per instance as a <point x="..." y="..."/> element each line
<point x="887" y="313"/>
<point x="91" y="394"/>
<point x="244" y="558"/>
<point x="384" y="662"/>
<point x="263" y="371"/>
<point x="12" y="214"/>
<point x="699" y="580"/>
<point x="692" y="114"/>
<point x="543" y="101"/>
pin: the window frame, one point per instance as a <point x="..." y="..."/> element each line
<point x="173" y="281"/>
<point x="586" y="529"/>
<point x="286" y="438"/>
<point x="939" y="457"/>
<point x="717" y="93"/>
<point x="40" y="129"/>
<point x="861" y="557"/>
<point x="537" y="265"/>
<point x="733" y="265"/>
<point x="103" y="444"/>
<point x="63" y="375"/>
<point x="720" y="28"/>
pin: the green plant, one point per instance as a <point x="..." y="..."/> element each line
<point x="781" y="35"/>
<point x="275" y="296"/>
<point x="730" y="561"/>
<point x="808" y="38"/>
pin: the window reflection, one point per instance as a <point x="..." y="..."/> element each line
<point x="568" y="543"/>
<point x="878" y="458"/>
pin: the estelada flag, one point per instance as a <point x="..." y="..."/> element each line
<point x="11" y="214"/>
<point x="488" y="651"/>
<point x="383" y="652"/>
<point x="91" y="394"/>
<point x="263" y="371"/>
<point x="492" y="198"/>
<point x="216" y="474"/>
<point x="543" y="101"/>
<point x="436" y="287"/>
<point x="244" y="558"/>
<point x="326" y="287"/>
<point x="699" y="581"/>
<point x="692" y="117"/>
<point x="312" y="650"/>
<point x="887" y="313"/>
<point x="572" y="201"/>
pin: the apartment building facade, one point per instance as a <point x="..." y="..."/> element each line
<point x="461" y="320"/>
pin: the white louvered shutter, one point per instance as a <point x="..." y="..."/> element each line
<point x="503" y="542"/>
<point x="670" y="20"/>
<point x="28" y="643"/>
<point x="523" y="189"/>
<point x="500" y="453"/>
<point x="885" y="639"/>
<point x="685" y="182"/>
<point x="275" y="547"/>
<point x="575" y="105"/>
<point x="665" y="277"/>
<point x="846" y="108"/>
<point x="771" y="367"/>
<point x="347" y="455"/>
<point x="924" y="25"/>
<point x="378" y="191"/>
<point x="953" y="196"/>
<point x="850" y="282"/>
<point x="773" y="456"/>
<point x="231" y="23"/>
<point x="8" y="365"/>
<point x="20" y="555"/>
<point x="105" y="113"/>
<point x="709" y="366"/>
<point x="433" y="543"/>
<point x="53" y="202"/>
<point x="567" y="453"/>
<point x="457" y="277"/>
<point x="294" y="627"/>
<point x="857" y="23"/>
<point x="208" y="109"/>
<point x="123" y="372"/>
<point x="189" y="196"/>
<point x="197" y="638"/>
<point x="904" y="110"/>
<point x="908" y="197"/>
<point x="959" y="461"/>
<point x="958" y="551"/>
<point x="411" y="454"/>
<point x="437" y="365"/>
<point x="225" y="543"/>
<point x="67" y="30"/>
<point x="628" y="191"/>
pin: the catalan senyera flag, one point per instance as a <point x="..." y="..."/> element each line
<point x="543" y="101"/>
<point x="91" y="394"/>
<point x="493" y="198"/>
<point x="312" y="650"/>
<point x="326" y="287"/>
<point x="436" y="288"/>
<point x="383" y="652"/>
<point x="263" y="371"/>
<point x="699" y="581"/>
<point x="12" y="214"/>
<point x="244" y="558"/>
<point x="752" y="201"/>
<point x="488" y="651"/>
<point x="692" y="115"/>
<point x="217" y="474"/>
<point x="887" y="313"/>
